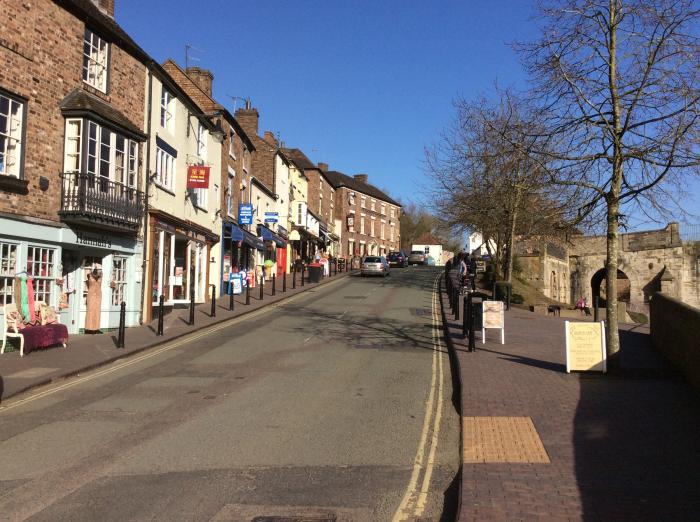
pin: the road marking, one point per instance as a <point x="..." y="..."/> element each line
<point x="410" y="496"/>
<point x="187" y="338"/>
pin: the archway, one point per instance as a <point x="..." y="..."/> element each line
<point x="598" y="286"/>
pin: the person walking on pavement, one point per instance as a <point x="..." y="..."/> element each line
<point x="472" y="272"/>
<point x="462" y="272"/>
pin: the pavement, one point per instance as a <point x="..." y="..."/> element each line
<point x="541" y="444"/>
<point x="332" y="406"/>
<point x="86" y="352"/>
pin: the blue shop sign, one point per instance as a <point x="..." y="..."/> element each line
<point x="271" y="217"/>
<point x="245" y="214"/>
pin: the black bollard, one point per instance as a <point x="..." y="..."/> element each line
<point x="284" y="281"/>
<point x="192" y="306"/>
<point x="294" y="276"/>
<point x="493" y="295"/>
<point x="231" y="301"/>
<point x="122" y="325"/>
<point x="466" y="310"/>
<point x="595" y="309"/>
<point x="262" y="287"/>
<point x="247" y="293"/>
<point x="336" y="267"/>
<point x="509" y="292"/>
<point x="456" y="306"/>
<point x="274" y="284"/>
<point x="213" y="300"/>
<point x="302" y="274"/>
<point x="161" y="312"/>
<point x="472" y="318"/>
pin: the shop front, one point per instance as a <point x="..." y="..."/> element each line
<point x="241" y="251"/>
<point x="275" y="253"/>
<point x="179" y="261"/>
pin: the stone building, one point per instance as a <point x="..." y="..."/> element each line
<point x="545" y="266"/>
<point x="71" y="157"/>
<point x="369" y="217"/>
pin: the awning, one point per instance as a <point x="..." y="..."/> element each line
<point x="236" y="233"/>
<point x="269" y="235"/>
<point x="252" y="241"/>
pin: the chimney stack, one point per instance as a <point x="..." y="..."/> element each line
<point x="106" y="6"/>
<point x="361" y="177"/>
<point x="248" y="118"/>
<point x="323" y="166"/>
<point x="202" y="77"/>
<point x="269" y="137"/>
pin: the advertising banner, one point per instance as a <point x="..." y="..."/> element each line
<point x="585" y="347"/>
<point x="197" y="176"/>
<point x="245" y="214"/>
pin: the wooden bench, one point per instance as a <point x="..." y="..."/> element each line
<point x="48" y="332"/>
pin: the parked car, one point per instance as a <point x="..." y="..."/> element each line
<point x="398" y="259"/>
<point x="374" y="265"/>
<point x="416" y="257"/>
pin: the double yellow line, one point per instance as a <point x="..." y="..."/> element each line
<point x="415" y="498"/>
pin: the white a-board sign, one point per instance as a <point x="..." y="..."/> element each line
<point x="585" y="347"/>
<point x="492" y="317"/>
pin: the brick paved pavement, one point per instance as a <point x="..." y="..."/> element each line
<point x="621" y="447"/>
<point x="84" y="352"/>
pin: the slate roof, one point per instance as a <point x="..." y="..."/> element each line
<point x="299" y="158"/>
<point x="338" y="179"/>
<point x="79" y="102"/>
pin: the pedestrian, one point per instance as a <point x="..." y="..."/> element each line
<point x="463" y="270"/>
<point x="581" y="304"/>
<point x="472" y="272"/>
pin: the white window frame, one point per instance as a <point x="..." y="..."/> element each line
<point x="373" y="205"/>
<point x="9" y="253"/>
<point x="371" y="226"/>
<point x="201" y="141"/>
<point x="167" y="110"/>
<point x="95" y="60"/>
<point x="391" y="232"/>
<point x="12" y="135"/>
<point x="362" y="223"/>
<point x="231" y="144"/>
<point x="165" y="169"/>
<point x="73" y="150"/>
<point x="230" y="187"/>
<point x="363" y="201"/>
<point x="42" y="271"/>
<point x="383" y="209"/>
<point x="119" y="279"/>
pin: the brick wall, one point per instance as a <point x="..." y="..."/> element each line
<point x="41" y="51"/>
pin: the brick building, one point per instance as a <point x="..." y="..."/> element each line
<point x="370" y="220"/>
<point x="71" y="144"/>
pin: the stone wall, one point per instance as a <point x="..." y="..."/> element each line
<point x="545" y="266"/>
<point x="674" y="333"/>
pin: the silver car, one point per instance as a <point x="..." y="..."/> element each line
<point x="375" y="265"/>
<point x="416" y="257"/>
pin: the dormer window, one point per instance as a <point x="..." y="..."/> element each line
<point x="95" y="60"/>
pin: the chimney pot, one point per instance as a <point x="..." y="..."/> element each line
<point x="323" y="166"/>
<point x="361" y="177"/>
<point x="202" y="77"/>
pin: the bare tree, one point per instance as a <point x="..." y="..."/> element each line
<point x="616" y="82"/>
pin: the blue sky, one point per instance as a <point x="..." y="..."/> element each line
<point x="361" y="85"/>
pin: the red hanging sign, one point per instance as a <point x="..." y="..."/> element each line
<point x="197" y="177"/>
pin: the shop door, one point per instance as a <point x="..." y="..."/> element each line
<point x="281" y="261"/>
<point x="180" y="263"/>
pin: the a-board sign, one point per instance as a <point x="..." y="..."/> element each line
<point x="492" y="316"/>
<point x="585" y="347"/>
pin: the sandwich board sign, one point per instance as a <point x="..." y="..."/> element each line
<point x="492" y="316"/>
<point x="585" y="347"/>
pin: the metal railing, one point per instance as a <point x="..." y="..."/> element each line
<point x="101" y="200"/>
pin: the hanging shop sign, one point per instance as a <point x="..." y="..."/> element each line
<point x="271" y="217"/>
<point x="197" y="176"/>
<point x="245" y="214"/>
<point x="585" y="347"/>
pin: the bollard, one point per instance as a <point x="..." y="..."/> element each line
<point x="262" y="288"/>
<point x="231" y="301"/>
<point x="336" y="267"/>
<point x="247" y="293"/>
<point x="472" y="318"/>
<point x="284" y="281"/>
<point x="274" y="284"/>
<point x="122" y="325"/>
<point x="456" y="306"/>
<point x="213" y="301"/>
<point x="465" y="316"/>
<point x="191" y="306"/>
<point x="595" y="309"/>
<point x="493" y="295"/>
<point x="508" y="296"/>
<point x="161" y="312"/>
<point x="294" y="276"/>
<point x="302" y="274"/>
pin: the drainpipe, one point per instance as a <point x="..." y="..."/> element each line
<point x="145" y="285"/>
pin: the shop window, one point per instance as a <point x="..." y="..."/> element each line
<point x="167" y="110"/>
<point x="11" y="133"/>
<point x="118" y="283"/>
<point x="95" y="60"/>
<point x="8" y="267"/>
<point x="165" y="169"/>
<point x="89" y="263"/>
<point x="40" y="266"/>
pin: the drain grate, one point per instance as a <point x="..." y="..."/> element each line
<point x="355" y="297"/>
<point x="421" y="312"/>
<point x="330" y="518"/>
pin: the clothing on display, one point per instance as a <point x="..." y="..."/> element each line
<point x="94" y="300"/>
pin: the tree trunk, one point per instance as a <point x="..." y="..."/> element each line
<point x="611" y="335"/>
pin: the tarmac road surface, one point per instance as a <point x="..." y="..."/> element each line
<point x="336" y="404"/>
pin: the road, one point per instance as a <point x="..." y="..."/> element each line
<point x="335" y="403"/>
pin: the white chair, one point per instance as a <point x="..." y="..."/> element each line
<point x="11" y="327"/>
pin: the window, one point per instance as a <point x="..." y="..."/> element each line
<point x="246" y="159"/>
<point x="391" y="233"/>
<point x="381" y="230"/>
<point x="351" y="199"/>
<point x="201" y="141"/>
<point x="373" y="205"/>
<point x="200" y="197"/>
<point x="165" y="169"/>
<point x="371" y="227"/>
<point x="231" y="144"/>
<point x="393" y="210"/>
<point x="383" y="210"/>
<point x="11" y="129"/>
<point x="362" y="224"/>
<point x="363" y="201"/>
<point x="8" y="267"/>
<point x="95" y="51"/>
<point x="40" y="266"/>
<point x="118" y="279"/>
<point x="106" y="154"/>
<point x="300" y="214"/>
<point x="167" y="110"/>
<point x="229" y="192"/>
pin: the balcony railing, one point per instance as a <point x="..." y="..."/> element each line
<point x="98" y="201"/>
